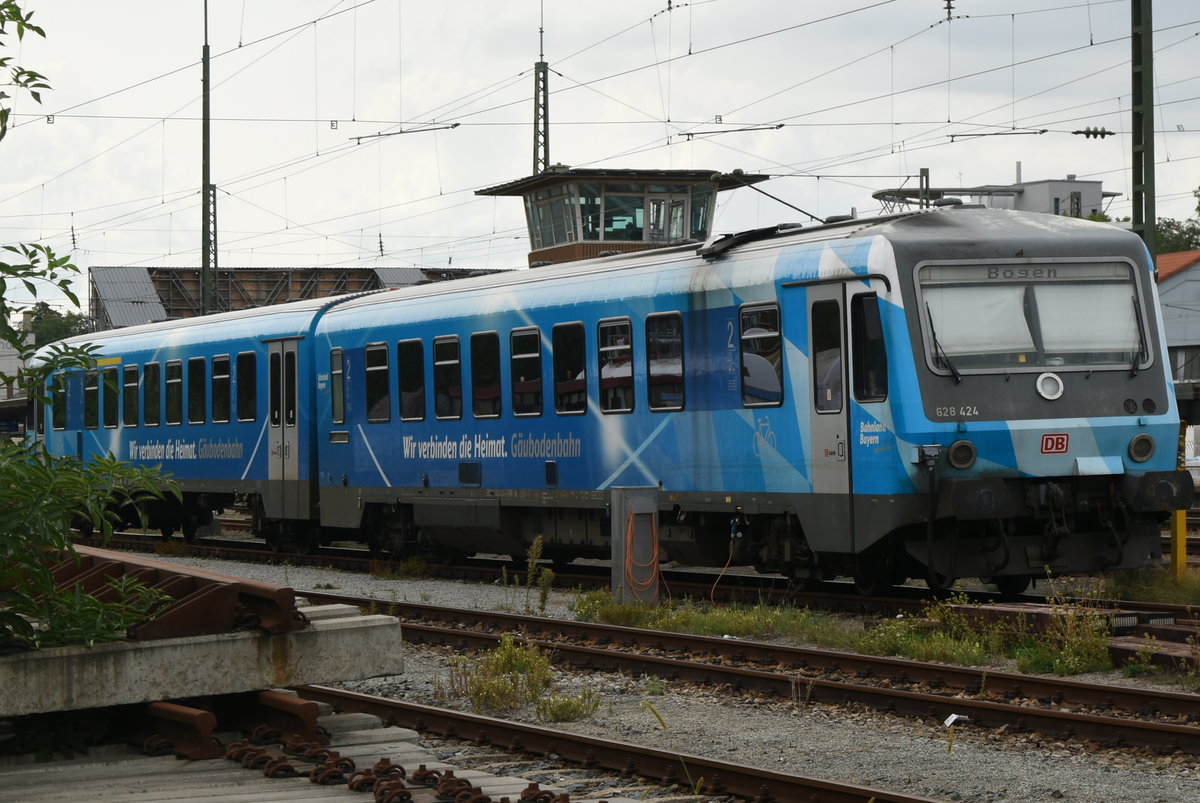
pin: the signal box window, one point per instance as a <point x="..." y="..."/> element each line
<point x="447" y="378"/>
<point x="152" y="394"/>
<point x="570" y="368"/>
<point x="378" y="384"/>
<point x="337" y="386"/>
<point x="485" y="375"/>
<point x="174" y="392"/>
<point x="664" y="361"/>
<point x="58" y="402"/>
<point x="129" y="409"/>
<point x="526" y="370"/>
<point x="110" y="390"/>
<point x="91" y="400"/>
<point x="197" y="385"/>
<point x="616" y="366"/>
<point x="826" y="321"/>
<point x="410" y="368"/>
<point x="220" y="390"/>
<point x="247" y="387"/>
<point x="870" y="355"/>
<point x="762" y="356"/>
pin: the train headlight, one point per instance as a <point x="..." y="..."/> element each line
<point x="961" y="454"/>
<point x="1049" y="386"/>
<point x="1141" y="447"/>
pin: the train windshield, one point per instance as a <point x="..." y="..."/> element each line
<point x="1004" y="317"/>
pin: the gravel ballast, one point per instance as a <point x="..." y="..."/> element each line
<point x="837" y="743"/>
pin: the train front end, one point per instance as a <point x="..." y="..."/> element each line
<point x="1045" y="438"/>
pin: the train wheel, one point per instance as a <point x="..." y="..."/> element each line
<point x="191" y="523"/>
<point x="1011" y="586"/>
<point x="870" y="585"/>
<point x="167" y="531"/>
<point x="939" y="583"/>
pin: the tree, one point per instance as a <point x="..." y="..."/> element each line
<point x="42" y="495"/>
<point x="49" y="325"/>
<point x="1172" y="235"/>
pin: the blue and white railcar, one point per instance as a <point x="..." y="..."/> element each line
<point x="958" y="392"/>
<point x="221" y="403"/>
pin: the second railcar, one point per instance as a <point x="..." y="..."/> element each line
<point x="959" y="392"/>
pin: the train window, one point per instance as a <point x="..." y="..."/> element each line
<point x="447" y="378"/>
<point x="664" y="361"/>
<point x="151" y="394"/>
<point x="91" y="399"/>
<point x="110" y="386"/>
<point x="826" y="322"/>
<point x="570" y="368"/>
<point x="58" y="402"/>
<point x="762" y="356"/>
<point x="247" y="386"/>
<point x="129" y="407"/>
<point x="289" y="387"/>
<point x="274" y="381"/>
<point x="38" y="411"/>
<point x="410" y="372"/>
<point x="378" y="384"/>
<point x="220" y="389"/>
<point x="337" y="386"/>
<point x="869" y="362"/>
<point x="485" y="375"/>
<point x="1002" y="317"/>
<point x="197" y="381"/>
<point x="174" y="392"/>
<point x="615" y="344"/>
<point x="526" y="369"/>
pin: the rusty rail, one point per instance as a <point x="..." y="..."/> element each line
<point x="203" y="602"/>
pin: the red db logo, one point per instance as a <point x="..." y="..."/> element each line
<point x="1055" y="443"/>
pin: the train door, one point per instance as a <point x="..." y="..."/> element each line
<point x="829" y="410"/>
<point x="288" y="496"/>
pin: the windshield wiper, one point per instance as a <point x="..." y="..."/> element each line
<point x="1141" y="347"/>
<point x="937" y="345"/>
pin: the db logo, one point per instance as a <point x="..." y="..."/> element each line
<point x="1055" y="443"/>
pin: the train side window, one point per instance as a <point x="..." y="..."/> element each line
<point x="220" y="389"/>
<point x="378" y="384"/>
<point x="274" y="383"/>
<point x="110" y="389"/>
<point x="247" y="386"/>
<point x="525" y="366"/>
<point x="175" y="391"/>
<point x="664" y="361"/>
<point x="337" y="386"/>
<point x="447" y="378"/>
<point x="762" y="356"/>
<point x="615" y="357"/>
<point x="58" y="402"/>
<point x="91" y="399"/>
<point x="197" y="380"/>
<point x="290" y="377"/>
<point x="152" y="394"/>
<point x="826" y="322"/>
<point x="868" y="350"/>
<point x="570" y="368"/>
<point x="38" y="411"/>
<point x="485" y="375"/>
<point x="410" y="372"/>
<point x="129" y="406"/>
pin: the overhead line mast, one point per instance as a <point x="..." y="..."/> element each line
<point x="541" y="105"/>
<point x="208" y="194"/>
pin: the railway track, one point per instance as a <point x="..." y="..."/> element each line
<point x="702" y="775"/>
<point x="1111" y="716"/>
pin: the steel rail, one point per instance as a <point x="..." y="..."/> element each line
<point x="777" y="668"/>
<point x="702" y="775"/>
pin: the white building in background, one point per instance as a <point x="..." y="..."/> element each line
<point x="1069" y="196"/>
